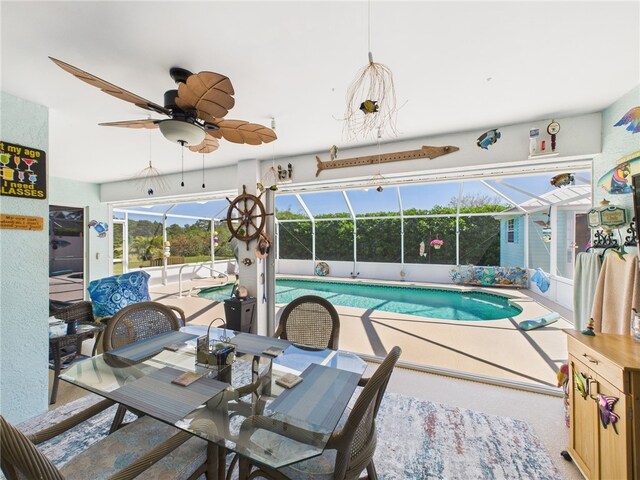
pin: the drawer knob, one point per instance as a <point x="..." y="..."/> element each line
<point x="590" y="358"/>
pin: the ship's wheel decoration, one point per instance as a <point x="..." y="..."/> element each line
<point x="246" y="217"/>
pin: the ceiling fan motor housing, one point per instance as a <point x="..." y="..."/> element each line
<point x="170" y="99"/>
<point x="189" y="115"/>
<point x="179" y="75"/>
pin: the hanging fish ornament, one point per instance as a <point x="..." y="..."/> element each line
<point x="369" y="106"/>
<point x="421" y="249"/>
<point x="562" y="180"/>
<point x="333" y="152"/>
<point x="488" y="138"/>
<point x="631" y="119"/>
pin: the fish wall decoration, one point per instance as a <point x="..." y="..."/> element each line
<point x="488" y="138"/>
<point x="424" y="152"/>
<point x="562" y="180"/>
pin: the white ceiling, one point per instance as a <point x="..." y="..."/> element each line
<point x="457" y="66"/>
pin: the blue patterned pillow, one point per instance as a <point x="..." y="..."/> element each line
<point x="110" y="294"/>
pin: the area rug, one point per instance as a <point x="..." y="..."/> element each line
<point x="416" y="440"/>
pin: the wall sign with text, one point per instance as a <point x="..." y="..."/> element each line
<point x="23" y="171"/>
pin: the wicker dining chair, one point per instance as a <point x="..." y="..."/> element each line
<point x="140" y="321"/>
<point x="349" y="450"/>
<point x="134" y="323"/>
<point x="311" y="320"/>
<point x="144" y="449"/>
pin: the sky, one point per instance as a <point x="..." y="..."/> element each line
<point x="369" y="200"/>
<point x="418" y="196"/>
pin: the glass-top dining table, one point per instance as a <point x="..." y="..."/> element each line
<point x="222" y="405"/>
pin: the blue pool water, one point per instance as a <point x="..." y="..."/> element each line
<point x="424" y="302"/>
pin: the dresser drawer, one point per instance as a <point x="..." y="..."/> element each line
<point x="599" y="364"/>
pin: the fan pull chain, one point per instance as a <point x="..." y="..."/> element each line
<point x="203" y="170"/>
<point x="369" y="31"/>
<point x="182" y="151"/>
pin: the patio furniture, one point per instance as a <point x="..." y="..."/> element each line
<point x="140" y="321"/>
<point x="310" y="320"/>
<point x="134" y="323"/>
<point x="144" y="449"/>
<point x="206" y="407"/>
<point x="70" y="344"/>
<point x="110" y="294"/>
<point x="349" y="450"/>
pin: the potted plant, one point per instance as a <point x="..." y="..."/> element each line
<point x="436" y="243"/>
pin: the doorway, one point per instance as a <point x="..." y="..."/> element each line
<point x="66" y="253"/>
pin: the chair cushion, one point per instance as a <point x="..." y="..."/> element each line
<point x="317" y="468"/>
<point x="179" y="464"/>
<point x="110" y="294"/>
<point x="128" y="444"/>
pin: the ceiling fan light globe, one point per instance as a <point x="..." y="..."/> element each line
<point x="183" y="133"/>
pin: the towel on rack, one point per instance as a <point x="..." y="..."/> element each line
<point x="585" y="279"/>
<point x="541" y="280"/>
<point x="617" y="291"/>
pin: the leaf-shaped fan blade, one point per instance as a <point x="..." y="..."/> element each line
<point x="239" y="131"/>
<point x="209" y="93"/>
<point x="208" y="145"/>
<point x="110" y="88"/>
<point x="147" y="123"/>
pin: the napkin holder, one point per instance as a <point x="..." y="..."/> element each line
<point x="218" y="356"/>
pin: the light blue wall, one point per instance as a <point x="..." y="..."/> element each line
<point x="538" y="249"/>
<point x="70" y="193"/>
<point x="24" y="273"/>
<point x="512" y="254"/>
<point x="617" y="142"/>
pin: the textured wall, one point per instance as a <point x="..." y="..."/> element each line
<point x="70" y="193"/>
<point x="617" y="142"/>
<point x="24" y="287"/>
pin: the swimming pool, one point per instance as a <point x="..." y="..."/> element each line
<point x="411" y="300"/>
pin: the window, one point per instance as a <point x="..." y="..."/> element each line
<point x="511" y="231"/>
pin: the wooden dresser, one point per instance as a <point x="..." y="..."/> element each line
<point x="610" y="365"/>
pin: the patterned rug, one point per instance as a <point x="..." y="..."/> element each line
<point x="416" y="440"/>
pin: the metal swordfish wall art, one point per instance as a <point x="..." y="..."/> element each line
<point x="424" y="152"/>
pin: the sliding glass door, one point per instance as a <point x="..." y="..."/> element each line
<point x="66" y="253"/>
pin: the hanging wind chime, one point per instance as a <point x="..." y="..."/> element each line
<point x="371" y="98"/>
<point x="150" y="180"/>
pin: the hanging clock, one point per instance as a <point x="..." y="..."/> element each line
<point x="552" y="129"/>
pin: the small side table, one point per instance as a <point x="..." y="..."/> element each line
<point x="85" y="331"/>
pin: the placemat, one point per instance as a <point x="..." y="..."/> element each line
<point x="256" y="344"/>
<point x="320" y="399"/>
<point x="155" y="395"/>
<point x="139" y="351"/>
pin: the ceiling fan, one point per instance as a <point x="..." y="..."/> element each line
<point x="195" y="110"/>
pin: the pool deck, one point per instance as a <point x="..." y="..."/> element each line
<point x="494" y="348"/>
